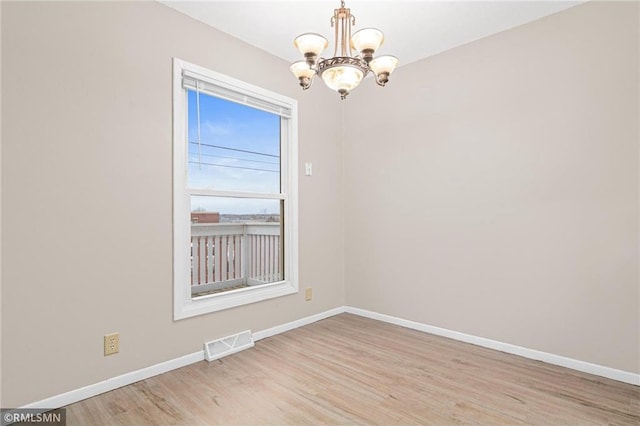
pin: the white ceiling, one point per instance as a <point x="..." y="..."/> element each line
<point x="413" y="29"/>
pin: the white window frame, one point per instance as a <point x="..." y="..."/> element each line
<point x="184" y="305"/>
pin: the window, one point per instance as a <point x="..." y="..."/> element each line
<point x="234" y="192"/>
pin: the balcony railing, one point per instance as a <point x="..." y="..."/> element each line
<point x="229" y="255"/>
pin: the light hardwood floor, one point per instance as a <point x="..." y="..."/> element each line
<point x="353" y="370"/>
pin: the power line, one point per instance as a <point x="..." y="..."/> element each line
<point x="234" y="167"/>
<point x="235" y="149"/>
<point x="239" y="159"/>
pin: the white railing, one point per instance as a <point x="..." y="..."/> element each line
<point x="227" y="255"/>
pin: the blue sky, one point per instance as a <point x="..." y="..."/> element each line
<point x="239" y="150"/>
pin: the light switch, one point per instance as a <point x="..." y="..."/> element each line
<point x="308" y="169"/>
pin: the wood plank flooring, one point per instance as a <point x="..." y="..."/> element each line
<point x="352" y="370"/>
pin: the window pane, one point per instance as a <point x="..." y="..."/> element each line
<point x="231" y="146"/>
<point x="235" y="243"/>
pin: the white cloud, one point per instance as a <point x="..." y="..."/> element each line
<point x="218" y="128"/>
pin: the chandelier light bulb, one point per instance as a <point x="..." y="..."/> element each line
<point x="367" y="41"/>
<point x="303" y="73"/>
<point x="342" y="79"/>
<point x="311" y="45"/>
<point x="382" y="67"/>
<point x="301" y="69"/>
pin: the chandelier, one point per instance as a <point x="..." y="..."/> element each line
<point x="343" y="72"/>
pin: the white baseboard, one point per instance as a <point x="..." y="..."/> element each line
<point x="76" y="395"/>
<point x="258" y="335"/>
<point x="89" y="391"/>
<point x="586" y="367"/>
<point x="116" y="382"/>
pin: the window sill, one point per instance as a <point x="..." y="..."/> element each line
<point x="189" y="307"/>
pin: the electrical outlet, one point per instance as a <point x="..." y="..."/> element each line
<point x="111" y="343"/>
<point x="308" y="294"/>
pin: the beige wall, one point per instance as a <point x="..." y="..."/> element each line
<point x="86" y="192"/>
<point x="493" y="189"/>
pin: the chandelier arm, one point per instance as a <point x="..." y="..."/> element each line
<point x="310" y="83"/>
<point x="381" y="79"/>
<point x="352" y="21"/>
<point x="342" y="31"/>
<point x="346" y="37"/>
<point x="335" y="22"/>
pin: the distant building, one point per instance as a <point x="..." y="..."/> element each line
<point x="205" y="217"/>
